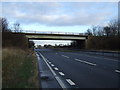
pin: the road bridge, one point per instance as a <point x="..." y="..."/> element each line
<point x="80" y="38"/>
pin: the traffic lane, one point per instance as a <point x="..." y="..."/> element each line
<point x="108" y="64"/>
<point x="102" y="63"/>
<point x="85" y="76"/>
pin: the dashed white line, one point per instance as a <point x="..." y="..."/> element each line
<point x="117" y="71"/>
<point x="100" y="57"/>
<point x="62" y="74"/>
<point x="52" y="65"/>
<point x="93" y="64"/>
<point x="65" y="56"/>
<point x="70" y="82"/>
<point x="55" y="75"/>
<point x="49" y="62"/>
<point x="56" y="68"/>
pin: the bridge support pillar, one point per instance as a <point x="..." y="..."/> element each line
<point x="80" y="44"/>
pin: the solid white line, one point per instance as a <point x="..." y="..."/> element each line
<point x="38" y="57"/>
<point x="86" y="62"/>
<point x="52" y="65"/>
<point x="70" y="82"/>
<point x="65" y="56"/>
<point x="56" y="68"/>
<point x="62" y="74"/>
<point x="57" y="78"/>
<point x="117" y="71"/>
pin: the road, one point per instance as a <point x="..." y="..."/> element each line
<point x="80" y="70"/>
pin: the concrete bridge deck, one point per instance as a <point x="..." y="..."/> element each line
<point x="53" y="36"/>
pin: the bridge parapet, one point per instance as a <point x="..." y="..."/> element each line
<point x="51" y="32"/>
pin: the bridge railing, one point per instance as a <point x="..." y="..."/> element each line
<point x="51" y="32"/>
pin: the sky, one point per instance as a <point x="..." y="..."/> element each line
<point x="59" y="16"/>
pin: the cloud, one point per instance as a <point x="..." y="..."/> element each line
<point x="58" y="14"/>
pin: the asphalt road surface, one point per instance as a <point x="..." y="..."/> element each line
<point x="80" y="70"/>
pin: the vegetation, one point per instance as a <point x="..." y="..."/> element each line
<point x="12" y="40"/>
<point x="103" y="38"/>
<point x="112" y="29"/>
<point x="19" y="64"/>
<point x="103" y="43"/>
<point x="19" y="69"/>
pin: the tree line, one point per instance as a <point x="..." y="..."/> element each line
<point x="6" y="28"/>
<point x="112" y="29"/>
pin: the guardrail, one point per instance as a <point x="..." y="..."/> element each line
<point x="50" y="32"/>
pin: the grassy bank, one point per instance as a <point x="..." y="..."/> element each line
<point x="19" y="69"/>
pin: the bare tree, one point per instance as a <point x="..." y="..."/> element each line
<point x="113" y="25"/>
<point x="17" y="27"/>
<point x="119" y="27"/>
<point x="88" y="32"/>
<point x="107" y="31"/>
<point x="94" y="30"/>
<point x="100" y="31"/>
<point x="4" y="25"/>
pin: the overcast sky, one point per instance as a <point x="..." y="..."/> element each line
<point x="59" y="16"/>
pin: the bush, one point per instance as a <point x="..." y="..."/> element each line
<point x="102" y="42"/>
<point x="14" y="40"/>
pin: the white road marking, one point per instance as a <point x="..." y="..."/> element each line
<point x="70" y="82"/>
<point x="55" y="75"/>
<point x="117" y="71"/>
<point x="100" y="57"/>
<point x="56" y="68"/>
<point x="52" y="65"/>
<point x="62" y="74"/>
<point x="38" y="57"/>
<point x="65" y="56"/>
<point x="86" y="62"/>
<point x="49" y="62"/>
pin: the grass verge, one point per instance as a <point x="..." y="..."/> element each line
<point x="19" y="69"/>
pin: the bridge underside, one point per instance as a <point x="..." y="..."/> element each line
<point x="79" y="41"/>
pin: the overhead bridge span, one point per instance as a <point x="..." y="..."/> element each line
<point x="79" y="38"/>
